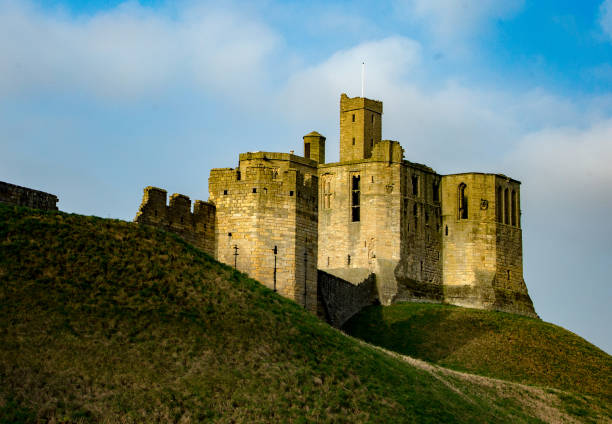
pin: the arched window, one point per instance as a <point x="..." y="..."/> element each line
<point x="462" y="201"/>
<point x="513" y="208"/>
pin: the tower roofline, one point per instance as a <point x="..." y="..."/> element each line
<point x="353" y="103"/>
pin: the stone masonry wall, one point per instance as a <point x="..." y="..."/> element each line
<point x="419" y="273"/>
<point x="341" y="300"/>
<point x="360" y="127"/>
<point x="270" y="201"/>
<point x="23" y="196"/>
<point x="482" y="257"/>
<point x="197" y="227"/>
<point x="353" y="249"/>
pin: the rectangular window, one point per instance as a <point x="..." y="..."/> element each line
<point x="498" y="205"/>
<point x="436" y="192"/>
<point x="506" y="207"/>
<point x="415" y="185"/>
<point x="307" y="150"/>
<point x="326" y="192"/>
<point x="355" y="198"/>
<point x="513" y="206"/>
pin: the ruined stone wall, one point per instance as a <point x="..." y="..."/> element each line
<point x="340" y="300"/>
<point x="511" y="293"/>
<point x="269" y="201"/>
<point x="197" y="227"/>
<point x="419" y="273"/>
<point x="23" y="196"/>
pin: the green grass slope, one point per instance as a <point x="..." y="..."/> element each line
<point x="108" y="321"/>
<point x="494" y="344"/>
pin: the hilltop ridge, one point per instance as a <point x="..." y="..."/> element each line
<point x="107" y="320"/>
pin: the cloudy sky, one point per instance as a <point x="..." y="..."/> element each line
<point x="100" y="98"/>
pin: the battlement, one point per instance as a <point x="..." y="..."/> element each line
<point x="360" y="127"/>
<point x="353" y="103"/>
<point x="197" y="227"/>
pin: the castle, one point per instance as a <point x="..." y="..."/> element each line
<point x="374" y="226"/>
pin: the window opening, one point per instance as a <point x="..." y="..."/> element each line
<point x="225" y="192"/>
<point x="508" y="275"/>
<point x="462" y="202"/>
<point x="513" y="205"/>
<point x="446" y="230"/>
<point x="307" y="150"/>
<point x="254" y="190"/>
<point x="498" y="205"/>
<point x="506" y="207"/>
<point x="348" y="259"/>
<point x="436" y="192"/>
<point x="353" y="117"/>
<point x="372" y="142"/>
<point x="372" y="118"/>
<point x="415" y="185"/>
<point x="355" y="198"/>
<point x="353" y="141"/>
<point x="238" y="175"/>
<point x="290" y="192"/>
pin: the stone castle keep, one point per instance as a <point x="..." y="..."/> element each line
<point x="374" y="226"/>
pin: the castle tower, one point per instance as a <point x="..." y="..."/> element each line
<point x="266" y="221"/>
<point x="482" y="243"/>
<point x="360" y="127"/>
<point x="314" y="147"/>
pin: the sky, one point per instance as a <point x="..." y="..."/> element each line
<point x="101" y="98"/>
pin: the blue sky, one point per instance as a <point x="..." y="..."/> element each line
<point x="99" y="99"/>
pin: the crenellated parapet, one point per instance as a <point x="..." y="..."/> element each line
<point x="196" y="227"/>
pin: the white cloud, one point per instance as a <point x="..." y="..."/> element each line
<point x="605" y="17"/>
<point x="448" y="19"/>
<point x="387" y="62"/>
<point x="451" y="126"/>
<point x="131" y="50"/>
<point x="568" y="165"/>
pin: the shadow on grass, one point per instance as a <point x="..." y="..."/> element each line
<point x="420" y="333"/>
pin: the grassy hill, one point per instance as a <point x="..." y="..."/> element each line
<point x="108" y="321"/>
<point x="494" y="344"/>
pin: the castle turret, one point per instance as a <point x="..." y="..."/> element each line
<point x="360" y="127"/>
<point x="314" y="147"/>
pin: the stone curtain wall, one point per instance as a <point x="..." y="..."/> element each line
<point x="197" y="227"/>
<point x="340" y="300"/>
<point x="22" y="196"/>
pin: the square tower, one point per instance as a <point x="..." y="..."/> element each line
<point x="314" y="147"/>
<point x="360" y="127"/>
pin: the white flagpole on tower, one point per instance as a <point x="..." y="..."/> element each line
<point x="362" y="79"/>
